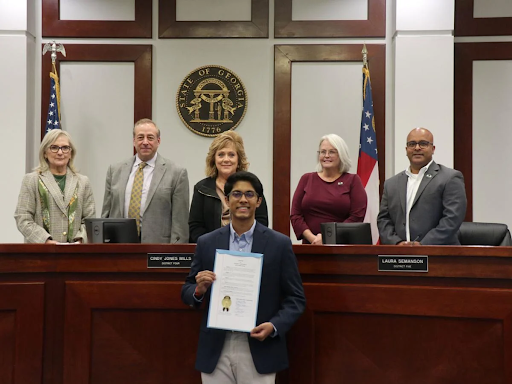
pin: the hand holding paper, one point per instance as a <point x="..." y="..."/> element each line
<point x="262" y="331"/>
<point x="204" y="279"/>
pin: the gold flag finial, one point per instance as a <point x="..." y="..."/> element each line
<point x="365" y="56"/>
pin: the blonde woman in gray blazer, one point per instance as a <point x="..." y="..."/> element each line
<point x="55" y="200"/>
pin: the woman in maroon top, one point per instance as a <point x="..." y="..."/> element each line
<point x="329" y="195"/>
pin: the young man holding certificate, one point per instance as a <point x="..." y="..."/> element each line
<point x="247" y="257"/>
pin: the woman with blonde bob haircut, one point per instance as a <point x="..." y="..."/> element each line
<point x="209" y="209"/>
<point x="55" y="200"/>
<point x="330" y="194"/>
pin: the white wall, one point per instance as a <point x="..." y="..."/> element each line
<point x="424" y="94"/>
<point x="97" y="9"/>
<point x="326" y="98"/>
<point x="424" y="76"/>
<point x="491" y="134"/>
<point x="16" y="105"/>
<point x="219" y="10"/>
<point x="101" y="126"/>
<point x="329" y="10"/>
<point x="492" y="8"/>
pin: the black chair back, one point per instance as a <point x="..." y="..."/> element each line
<point x="484" y="234"/>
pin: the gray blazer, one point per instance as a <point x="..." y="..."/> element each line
<point x="437" y="212"/>
<point x="28" y="211"/>
<point x="165" y="215"/>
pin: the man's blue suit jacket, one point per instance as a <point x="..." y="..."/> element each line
<point x="281" y="299"/>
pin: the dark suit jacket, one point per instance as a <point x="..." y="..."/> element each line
<point x="437" y="211"/>
<point x="206" y="210"/>
<point x="165" y="215"/>
<point x="281" y="299"/>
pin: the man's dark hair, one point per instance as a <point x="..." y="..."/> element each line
<point x="243" y="176"/>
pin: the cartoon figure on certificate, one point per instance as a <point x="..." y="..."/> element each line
<point x="226" y="303"/>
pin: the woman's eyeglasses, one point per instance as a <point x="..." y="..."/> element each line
<point x="64" y="148"/>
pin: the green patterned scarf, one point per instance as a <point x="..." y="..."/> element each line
<point x="45" y="211"/>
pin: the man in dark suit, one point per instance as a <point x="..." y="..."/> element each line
<point x="234" y="357"/>
<point x="161" y="204"/>
<point x="425" y="204"/>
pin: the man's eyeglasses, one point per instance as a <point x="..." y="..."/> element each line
<point x="64" y="148"/>
<point x="423" y="144"/>
<point x="331" y="152"/>
<point x="238" y="195"/>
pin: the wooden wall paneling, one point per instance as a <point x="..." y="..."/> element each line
<point x="54" y="329"/>
<point x="507" y="340"/>
<point x="374" y="26"/>
<point x="468" y="25"/>
<point x="367" y="334"/>
<point x="117" y="319"/>
<point x="284" y="56"/>
<point x="127" y="331"/>
<point x="465" y="55"/>
<point x="169" y="27"/>
<point x="21" y="332"/>
<point x="140" y="55"/>
<point x="54" y="27"/>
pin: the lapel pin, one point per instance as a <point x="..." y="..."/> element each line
<point x="340" y="183"/>
<point x="428" y="175"/>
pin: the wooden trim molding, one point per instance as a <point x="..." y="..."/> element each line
<point x="374" y="26"/>
<point x="140" y="55"/>
<point x="467" y="25"/>
<point x="169" y="27"/>
<point x="285" y="56"/>
<point x="53" y="26"/>
<point x="465" y="55"/>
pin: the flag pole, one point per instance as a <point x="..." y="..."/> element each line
<point x="54" y="116"/>
<point x="368" y="162"/>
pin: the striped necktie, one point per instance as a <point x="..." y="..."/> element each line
<point x="136" y="195"/>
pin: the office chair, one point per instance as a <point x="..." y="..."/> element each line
<point x="484" y="234"/>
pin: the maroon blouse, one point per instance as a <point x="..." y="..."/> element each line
<point x="317" y="201"/>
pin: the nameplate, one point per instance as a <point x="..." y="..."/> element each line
<point x="169" y="260"/>
<point x="399" y="263"/>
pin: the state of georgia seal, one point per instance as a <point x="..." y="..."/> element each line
<point x="211" y="100"/>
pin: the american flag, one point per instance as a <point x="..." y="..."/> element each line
<point x="368" y="162"/>
<point x="53" y="117"/>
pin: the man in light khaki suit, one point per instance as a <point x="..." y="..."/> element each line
<point x="164" y="202"/>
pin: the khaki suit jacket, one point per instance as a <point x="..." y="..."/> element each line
<point x="28" y="211"/>
<point x="164" y="217"/>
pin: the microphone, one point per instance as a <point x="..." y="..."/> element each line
<point x="177" y="239"/>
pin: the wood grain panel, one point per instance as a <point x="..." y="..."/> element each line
<point x="468" y="25"/>
<point x="285" y="56"/>
<point x="7" y="344"/>
<point x="109" y="319"/>
<point x="118" y="332"/>
<point x="400" y="349"/>
<point x="465" y="55"/>
<point x="169" y="27"/>
<point x="394" y="334"/>
<point x="140" y="55"/>
<point x="21" y="332"/>
<point x="53" y="26"/>
<point x="373" y="26"/>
